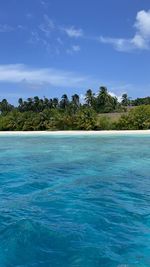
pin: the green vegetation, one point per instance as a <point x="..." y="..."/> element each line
<point x="98" y="112"/>
<point x="138" y="119"/>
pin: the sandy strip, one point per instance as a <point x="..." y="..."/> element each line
<point x="46" y="133"/>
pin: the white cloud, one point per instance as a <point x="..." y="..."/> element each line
<point x="119" y="97"/>
<point x="143" y="23"/>
<point x="72" y="32"/>
<point x="118" y="43"/>
<point x="139" y="42"/>
<point x="82" y="98"/>
<point x="141" y="38"/>
<point x="19" y="73"/>
<point x="37" y="78"/>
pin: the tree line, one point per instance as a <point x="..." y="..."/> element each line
<point x="71" y="114"/>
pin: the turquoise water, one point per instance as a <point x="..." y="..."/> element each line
<point x="75" y="201"/>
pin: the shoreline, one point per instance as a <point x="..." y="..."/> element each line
<point x="87" y="133"/>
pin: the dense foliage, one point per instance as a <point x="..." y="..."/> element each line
<point x="70" y="114"/>
<point x="138" y="119"/>
<point x="141" y="101"/>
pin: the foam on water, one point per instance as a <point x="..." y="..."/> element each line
<point x="77" y="201"/>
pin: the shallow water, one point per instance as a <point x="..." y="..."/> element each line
<point x="75" y="201"/>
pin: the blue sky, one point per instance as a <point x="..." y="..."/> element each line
<point x="48" y="47"/>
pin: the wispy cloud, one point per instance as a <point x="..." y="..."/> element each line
<point x="50" y="48"/>
<point x="59" y="40"/>
<point x="29" y="16"/>
<point x="34" y="38"/>
<point x="49" y="31"/>
<point x="21" y="27"/>
<point x="73" y="49"/>
<point x="44" y="3"/>
<point x="76" y="48"/>
<point x="47" y="26"/>
<point x="50" y="35"/>
<point x="139" y="41"/>
<point x="141" y="38"/>
<point x="38" y="78"/>
<point x="6" y="28"/>
<point x="73" y="32"/>
<point x="19" y="73"/>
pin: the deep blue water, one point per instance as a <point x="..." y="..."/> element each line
<point x="74" y="201"/>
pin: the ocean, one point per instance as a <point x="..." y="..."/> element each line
<point x="74" y="201"/>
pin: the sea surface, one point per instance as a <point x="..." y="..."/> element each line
<point x="75" y="201"/>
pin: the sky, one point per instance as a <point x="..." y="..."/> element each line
<point x="52" y="47"/>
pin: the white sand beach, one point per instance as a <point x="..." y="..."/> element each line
<point x="87" y="133"/>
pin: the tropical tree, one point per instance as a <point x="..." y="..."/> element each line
<point x="5" y="107"/>
<point x="105" y="102"/>
<point x="89" y="98"/>
<point x="55" y="102"/>
<point x="86" y="119"/>
<point x="76" y="100"/>
<point x="64" y="103"/>
<point x="125" y="100"/>
<point x="138" y="118"/>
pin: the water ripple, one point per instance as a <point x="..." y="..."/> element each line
<point x="74" y="201"/>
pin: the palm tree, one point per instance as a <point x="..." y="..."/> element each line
<point x="36" y="103"/>
<point x="5" y="107"/>
<point x="104" y="100"/>
<point x="103" y="95"/>
<point x="125" y="100"/>
<point x="20" y="102"/>
<point x="50" y="103"/>
<point x="64" y="101"/>
<point x="89" y="98"/>
<point x="30" y="103"/>
<point x="55" y="102"/>
<point x="76" y="100"/>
